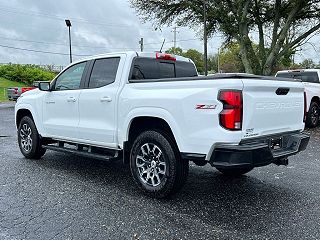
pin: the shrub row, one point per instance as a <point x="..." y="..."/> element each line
<point x="25" y="73"/>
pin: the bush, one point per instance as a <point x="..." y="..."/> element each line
<point x="25" y="73"/>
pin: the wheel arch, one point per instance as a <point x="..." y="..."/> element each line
<point x="315" y="99"/>
<point x="22" y="110"/>
<point x="22" y="113"/>
<point x="140" y="123"/>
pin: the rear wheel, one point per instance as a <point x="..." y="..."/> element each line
<point x="156" y="165"/>
<point x="313" y="115"/>
<point x="29" y="139"/>
<point x="233" y="172"/>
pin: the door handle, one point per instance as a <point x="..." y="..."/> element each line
<point x="71" y="99"/>
<point x="106" y="99"/>
<point x="50" y="102"/>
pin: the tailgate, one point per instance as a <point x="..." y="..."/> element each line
<point x="272" y="107"/>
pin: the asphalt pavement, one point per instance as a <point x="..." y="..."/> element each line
<point x="63" y="196"/>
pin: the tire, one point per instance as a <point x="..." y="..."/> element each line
<point x="29" y="139"/>
<point x="156" y="165"/>
<point x="234" y="172"/>
<point x="200" y="163"/>
<point x="313" y="115"/>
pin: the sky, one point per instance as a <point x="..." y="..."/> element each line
<point x="98" y="26"/>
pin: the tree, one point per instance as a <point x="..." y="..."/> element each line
<point x="230" y="59"/>
<point x="280" y="26"/>
<point x="308" y="63"/>
<point x="194" y="55"/>
<point x="176" y="51"/>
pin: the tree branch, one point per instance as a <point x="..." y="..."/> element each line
<point x="276" y="22"/>
<point x="298" y="40"/>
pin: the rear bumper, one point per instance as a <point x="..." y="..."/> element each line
<point x="258" y="152"/>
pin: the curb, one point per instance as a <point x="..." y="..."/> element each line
<point x="7" y="105"/>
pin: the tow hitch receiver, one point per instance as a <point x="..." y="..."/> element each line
<point x="276" y="144"/>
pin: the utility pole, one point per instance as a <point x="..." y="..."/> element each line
<point x="175" y="37"/>
<point x="141" y="44"/>
<point x="205" y="38"/>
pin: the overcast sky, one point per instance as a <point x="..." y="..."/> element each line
<point x="98" y="26"/>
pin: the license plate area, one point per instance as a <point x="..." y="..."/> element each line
<point x="276" y="143"/>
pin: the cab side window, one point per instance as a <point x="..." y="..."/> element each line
<point x="104" y="72"/>
<point x="71" y="78"/>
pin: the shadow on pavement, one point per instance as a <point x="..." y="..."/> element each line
<point x="245" y="204"/>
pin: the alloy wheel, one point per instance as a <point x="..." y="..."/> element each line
<point x="26" y="139"/>
<point x="151" y="164"/>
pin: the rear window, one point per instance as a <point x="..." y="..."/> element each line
<point x="149" y="68"/>
<point x="311" y="77"/>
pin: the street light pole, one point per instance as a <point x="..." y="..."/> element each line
<point x="68" y="23"/>
<point x="205" y="38"/>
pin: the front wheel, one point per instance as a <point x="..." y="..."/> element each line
<point x="234" y="172"/>
<point x="156" y="165"/>
<point x="313" y="115"/>
<point x="29" y="139"/>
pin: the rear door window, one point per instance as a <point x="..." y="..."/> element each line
<point x="104" y="72"/>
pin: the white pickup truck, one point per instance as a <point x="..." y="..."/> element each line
<point x="311" y="80"/>
<point x="155" y="113"/>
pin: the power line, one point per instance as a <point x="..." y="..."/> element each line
<point x="182" y="40"/>
<point x="48" y="43"/>
<point x="39" y="51"/>
<point x="84" y="46"/>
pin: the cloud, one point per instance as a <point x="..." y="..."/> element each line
<point x="97" y="27"/>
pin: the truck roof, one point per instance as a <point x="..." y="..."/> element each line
<point x="300" y="70"/>
<point x="138" y="54"/>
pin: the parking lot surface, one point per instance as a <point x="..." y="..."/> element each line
<point x="63" y="196"/>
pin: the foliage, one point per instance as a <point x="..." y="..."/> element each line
<point x="196" y="57"/>
<point x="176" y="51"/>
<point x="25" y="73"/>
<point x="230" y="59"/>
<point x="308" y="63"/>
<point x="281" y="26"/>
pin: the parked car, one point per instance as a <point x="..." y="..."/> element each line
<point x="14" y="93"/>
<point x="152" y="111"/>
<point x="310" y="79"/>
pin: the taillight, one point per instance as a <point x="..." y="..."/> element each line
<point x="25" y="89"/>
<point x="16" y="90"/>
<point x="305" y="107"/>
<point x="165" y="56"/>
<point x="231" y="115"/>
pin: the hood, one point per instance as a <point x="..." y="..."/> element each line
<point x="30" y="92"/>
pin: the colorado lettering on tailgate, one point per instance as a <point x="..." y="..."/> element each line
<point x="273" y="105"/>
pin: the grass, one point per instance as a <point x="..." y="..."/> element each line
<point x="4" y="84"/>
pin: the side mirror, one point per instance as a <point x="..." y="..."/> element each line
<point x="44" y="86"/>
